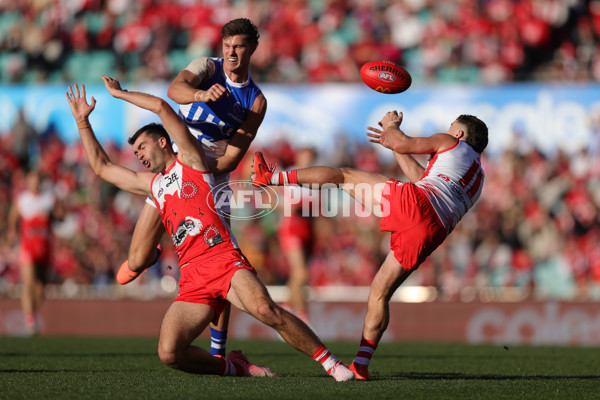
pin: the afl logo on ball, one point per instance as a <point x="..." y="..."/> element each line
<point x="387" y="76"/>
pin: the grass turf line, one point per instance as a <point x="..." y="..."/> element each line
<point x="115" y="368"/>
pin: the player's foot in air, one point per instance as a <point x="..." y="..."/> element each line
<point x="360" y="371"/>
<point x="125" y="275"/>
<point x="341" y="373"/>
<point x="261" y="172"/>
<point x="242" y="363"/>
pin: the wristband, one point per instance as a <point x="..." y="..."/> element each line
<point x="196" y="94"/>
<point x="397" y="121"/>
<point x="83" y="124"/>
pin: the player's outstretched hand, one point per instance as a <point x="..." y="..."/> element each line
<point x="391" y="118"/>
<point x="380" y="135"/>
<point x="79" y="105"/>
<point x="113" y="86"/>
<point x="376" y="136"/>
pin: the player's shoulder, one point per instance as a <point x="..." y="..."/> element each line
<point x="203" y="66"/>
<point x="442" y="141"/>
<point x="206" y="59"/>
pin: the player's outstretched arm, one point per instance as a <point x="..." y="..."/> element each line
<point x="190" y="150"/>
<point x="391" y="136"/>
<point x="241" y="139"/>
<point x="126" y="179"/>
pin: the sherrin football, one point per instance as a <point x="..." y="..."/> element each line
<point x="385" y="77"/>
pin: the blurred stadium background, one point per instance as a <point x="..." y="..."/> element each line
<point x="522" y="267"/>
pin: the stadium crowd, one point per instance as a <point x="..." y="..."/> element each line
<point x="535" y="227"/>
<point x="301" y="40"/>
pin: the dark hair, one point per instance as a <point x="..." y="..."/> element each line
<point x="477" y="132"/>
<point x="154" y="130"/>
<point x="241" y="26"/>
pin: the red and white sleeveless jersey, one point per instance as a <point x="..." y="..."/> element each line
<point x="452" y="182"/>
<point x="185" y="201"/>
<point x="34" y="211"/>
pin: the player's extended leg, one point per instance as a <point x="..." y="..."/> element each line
<point x="366" y="187"/>
<point x="387" y="279"/>
<point x="143" y="248"/>
<point x="249" y="294"/>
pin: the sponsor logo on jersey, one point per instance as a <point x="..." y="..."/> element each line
<point x="212" y="236"/>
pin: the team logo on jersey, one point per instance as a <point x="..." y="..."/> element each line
<point x="188" y="227"/>
<point x="188" y="190"/>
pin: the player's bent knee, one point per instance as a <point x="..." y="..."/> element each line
<point x="168" y="358"/>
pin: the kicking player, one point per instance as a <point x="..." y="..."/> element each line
<point x="420" y="214"/>
<point x="213" y="270"/>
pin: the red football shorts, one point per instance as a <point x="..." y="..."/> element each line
<point x="34" y="252"/>
<point x="208" y="281"/>
<point x="416" y="228"/>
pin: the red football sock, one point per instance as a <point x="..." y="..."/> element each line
<point x="365" y="352"/>
<point x="324" y="356"/>
<point x="285" y="178"/>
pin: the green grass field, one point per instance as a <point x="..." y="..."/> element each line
<point x="101" y="368"/>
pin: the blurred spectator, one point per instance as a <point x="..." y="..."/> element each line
<point x="458" y="40"/>
<point x="295" y="236"/>
<point x="530" y="203"/>
<point x="29" y="223"/>
<point x="538" y="215"/>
